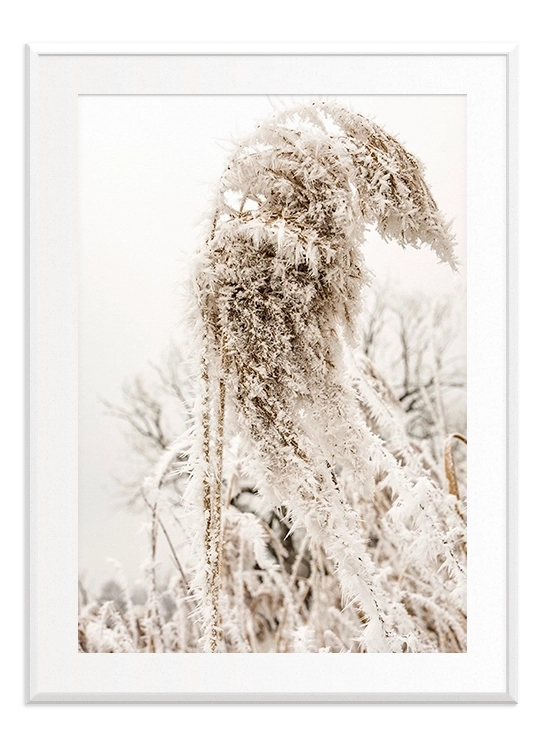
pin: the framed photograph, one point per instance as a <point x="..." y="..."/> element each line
<point x="272" y="396"/>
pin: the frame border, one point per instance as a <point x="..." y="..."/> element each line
<point x="516" y="200"/>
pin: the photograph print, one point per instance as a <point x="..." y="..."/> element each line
<point x="272" y="374"/>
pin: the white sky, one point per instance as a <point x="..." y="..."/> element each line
<point x="148" y="165"/>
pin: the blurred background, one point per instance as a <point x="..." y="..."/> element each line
<point x="149" y="166"/>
